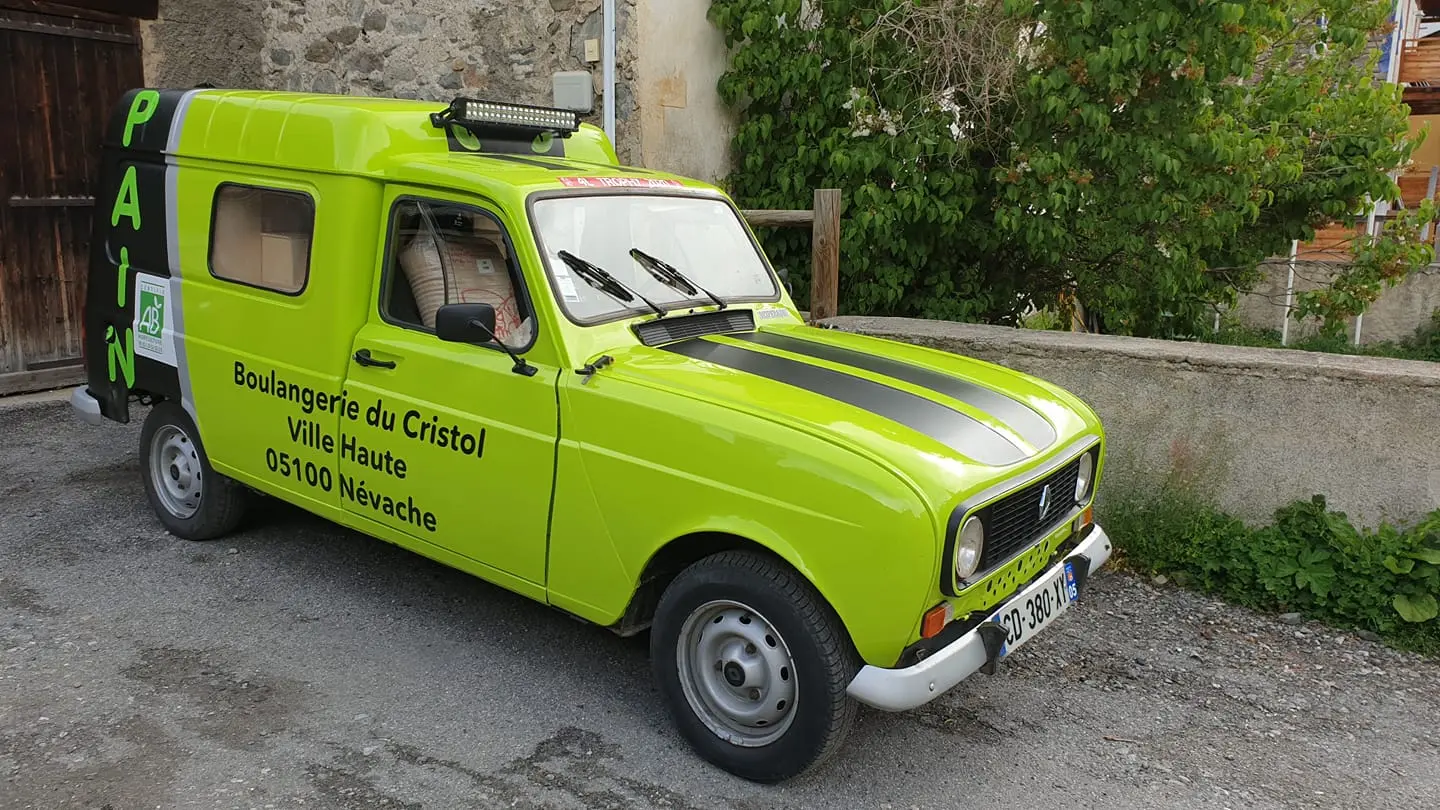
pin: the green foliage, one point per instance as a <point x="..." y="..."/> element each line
<point x="1043" y="319"/>
<point x="802" y="128"/>
<point x="1143" y="155"/>
<point x="1311" y="560"/>
<point x="1425" y="343"/>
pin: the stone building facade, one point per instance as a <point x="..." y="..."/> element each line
<point x="668" y="58"/>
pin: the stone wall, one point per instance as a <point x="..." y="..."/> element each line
<point x="1259" y="428"/>
<point x="432" y="49"/>
<point x="216" y="41"/>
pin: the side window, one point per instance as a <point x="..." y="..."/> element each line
<point x="447" y="253"/>
<point x="261" y="237"/>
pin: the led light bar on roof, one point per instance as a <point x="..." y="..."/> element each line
<point x="503" y="115"/>
<point x="491" y="113"/>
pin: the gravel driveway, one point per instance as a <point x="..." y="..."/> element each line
<point x="297" y="664"/>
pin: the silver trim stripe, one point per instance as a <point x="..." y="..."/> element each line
<point x="172" y="249"/>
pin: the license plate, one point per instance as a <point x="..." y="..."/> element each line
<point x="1035" y="608"/>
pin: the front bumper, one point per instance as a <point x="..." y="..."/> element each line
<point x="86" y="406"/>
<point x="897" y="690"/>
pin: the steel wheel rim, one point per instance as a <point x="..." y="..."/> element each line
<point x="175" y="471"/>
<point x="737" y="673"/>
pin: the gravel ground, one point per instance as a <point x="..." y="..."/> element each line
<point x="297" y="664"/>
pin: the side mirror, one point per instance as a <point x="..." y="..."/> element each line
<point x="465" y="323"/>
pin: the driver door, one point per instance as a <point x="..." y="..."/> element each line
<point x="443" y="440"/>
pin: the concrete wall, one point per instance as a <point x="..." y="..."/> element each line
<point x="1259" y="427"/>
<point x="1394" y="316"/>
<point x="669" y="57"/>
<point x="684" y="127"/>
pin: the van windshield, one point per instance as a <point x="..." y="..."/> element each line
<point x="702" y="238"/>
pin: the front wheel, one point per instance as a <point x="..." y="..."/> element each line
<point x="191" y="500"/>
<point x="753" y="666"/>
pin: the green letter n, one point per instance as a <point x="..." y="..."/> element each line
<point x="123" y="356"/>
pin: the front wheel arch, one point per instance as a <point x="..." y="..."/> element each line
<point x="680" y="553"/>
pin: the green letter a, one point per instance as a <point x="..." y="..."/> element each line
<point x="127" y="203"/>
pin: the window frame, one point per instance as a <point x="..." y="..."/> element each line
<point x="309" y="251"/>
<point x="390" y="270"/>
<point x="641" y="312"/>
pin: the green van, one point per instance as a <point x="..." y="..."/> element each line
<point x="467" y="330"/>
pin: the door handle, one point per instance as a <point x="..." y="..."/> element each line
<point x="363" y="358"/>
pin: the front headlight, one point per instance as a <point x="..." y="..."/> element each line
<point x="1086" y="477"/>
<point x="968" y="546"/>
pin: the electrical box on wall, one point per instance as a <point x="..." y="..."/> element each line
<point x="574" y="90"/>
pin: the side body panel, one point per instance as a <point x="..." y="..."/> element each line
<point x="639" y="467"/>
<point x="460" y="450"/>
<point x="265" y="368"/>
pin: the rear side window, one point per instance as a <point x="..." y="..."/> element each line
<point x="261" y="237"/>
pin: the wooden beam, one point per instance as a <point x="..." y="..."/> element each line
<point x="768" y="218"/>
<point x="1421" y="100"/>
<point x="50" y="202"/>
<point x="70" y="31"/>
<point x="111" y="11"/>
<point x="825" y="251"/>
<point x="29" y="382"/>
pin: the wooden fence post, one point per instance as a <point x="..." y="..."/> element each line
<point x="825" y="255"/>
<point x="824" y="222"/>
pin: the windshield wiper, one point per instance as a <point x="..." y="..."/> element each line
<point x="606" y="283"/>
<point x="669" y="276"/>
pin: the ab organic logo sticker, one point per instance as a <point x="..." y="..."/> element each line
<point x="152" y="314"/>
<point x="154" y="329"/>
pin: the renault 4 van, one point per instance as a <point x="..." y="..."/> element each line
<point x="465" y="329"/>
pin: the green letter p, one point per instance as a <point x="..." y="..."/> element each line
<point x="142" y="109"/>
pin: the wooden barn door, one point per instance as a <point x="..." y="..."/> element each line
<point x="61" y="71"/>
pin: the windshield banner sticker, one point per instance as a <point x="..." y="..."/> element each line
<point x="618" y="182"/>
<point x="567" y="289"/>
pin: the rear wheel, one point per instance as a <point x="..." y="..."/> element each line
<point x="753" y="665"/>
<point x="191" y="500"/>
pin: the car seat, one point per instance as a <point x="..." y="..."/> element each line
<point x="478" y="273"/>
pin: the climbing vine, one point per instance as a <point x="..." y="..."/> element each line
<point x="1141" y="156"/>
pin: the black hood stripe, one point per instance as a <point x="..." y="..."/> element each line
<point x="954" y="429"/>
<point x="1019" y="417"/>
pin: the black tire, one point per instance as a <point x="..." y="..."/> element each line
<point x="824" y="663"/>
<point x="221" y="500"/>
